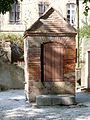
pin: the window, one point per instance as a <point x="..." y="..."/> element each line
<point x="42" y="7"/>
<point x="14" y="14"/>
<point x="71" y="13"/>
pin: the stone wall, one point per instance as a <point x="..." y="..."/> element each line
<point x="11" y="75"/>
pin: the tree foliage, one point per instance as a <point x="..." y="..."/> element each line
<point x="5" y="5"/>
<point x="85" y="1"/>
<point x="87" y="7"/>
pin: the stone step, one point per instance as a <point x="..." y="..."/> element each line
<point x="51" y="100"/>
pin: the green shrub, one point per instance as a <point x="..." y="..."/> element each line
<point x="15" y="38"/>
<point x="85" y="32"/>
<point x="17" y="45"/>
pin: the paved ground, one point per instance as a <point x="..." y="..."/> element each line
<point x="14" y="107"/>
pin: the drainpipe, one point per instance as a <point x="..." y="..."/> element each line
<point x="0" y="22"/>
<point x="78" y="36"/>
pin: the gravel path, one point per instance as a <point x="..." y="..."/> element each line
<point x="14" y="107"/>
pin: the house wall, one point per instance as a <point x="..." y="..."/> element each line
<point x="85" y="62"/>
<point x="30" y="13"/>
<point x="61" y="6"/>
<point x="34" y="86"/>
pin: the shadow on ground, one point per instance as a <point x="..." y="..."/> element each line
<point x="14" y="107"/>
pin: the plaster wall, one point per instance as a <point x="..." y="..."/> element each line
<point x="85" y="62"/>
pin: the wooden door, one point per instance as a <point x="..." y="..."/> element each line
<point x="52" y="63"/>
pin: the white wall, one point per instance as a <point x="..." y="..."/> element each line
<point x="29" y="14"/>
<point x="84" y="67"/>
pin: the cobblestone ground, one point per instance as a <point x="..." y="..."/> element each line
<point x="14" y="107"/>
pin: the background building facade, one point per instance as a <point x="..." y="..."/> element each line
<point x="25" y="13"/>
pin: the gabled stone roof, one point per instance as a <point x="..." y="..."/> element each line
<point x="51" y="22"/>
